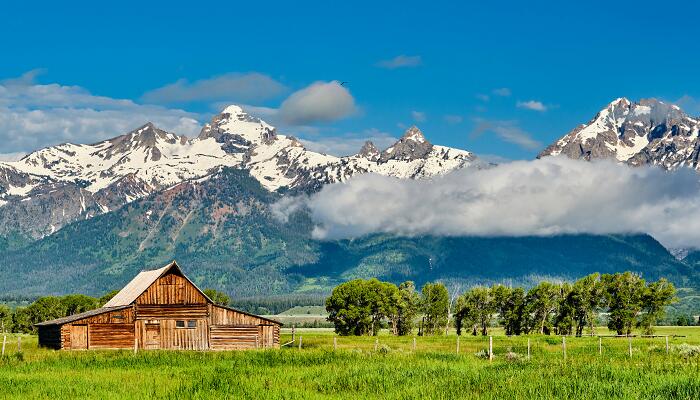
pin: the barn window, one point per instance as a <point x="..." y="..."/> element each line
<point x="179" y="324"/>
<point x="191" y="323"/>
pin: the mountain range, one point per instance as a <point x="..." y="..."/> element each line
<point x="87" y="217"/>
<point x="55" y="186"/>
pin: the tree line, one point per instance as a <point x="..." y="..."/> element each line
<point x="625" y="300"/>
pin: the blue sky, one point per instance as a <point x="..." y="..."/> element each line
<point x="501" y="79"/>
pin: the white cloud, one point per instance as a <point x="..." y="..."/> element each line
<point x="533" y="105"/>
<point x="453" y="119"/>
<point x="419" y="116"/>
<point x="401" y="61"/>
<point x="36" y="115"/>
<point x="502" y="92"/>
<point x="233" y="87"/>
<point x="551" y="196"/>
<point x="507" y="131"/>
<point x="483" y="97"/>
<point x="350" y="143"/>
<point x="318" y="102"/>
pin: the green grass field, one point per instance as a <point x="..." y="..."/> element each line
<point x="356" y="370"/>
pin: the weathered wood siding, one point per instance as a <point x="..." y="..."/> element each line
<point x="111" y="336"/>
<point x="118" y="317"/>
<point x="176" y="311"/>
<point x="171" y="289"/>
<point x="223" y="337"/>
<point x="225" y="316"/>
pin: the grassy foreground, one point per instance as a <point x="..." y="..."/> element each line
<point x="356" y="370"/>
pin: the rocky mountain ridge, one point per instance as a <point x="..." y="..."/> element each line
<point x="648" y="132"/>
<point x="54" y="186"/>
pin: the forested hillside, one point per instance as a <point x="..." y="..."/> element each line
<point x="221" y="230"/>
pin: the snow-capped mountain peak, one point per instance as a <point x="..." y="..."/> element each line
<point x="646" y="132"/>
<point x="59" y="184"/>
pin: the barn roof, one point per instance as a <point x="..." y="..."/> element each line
<point x="79" y="316"/>
<point x="143" y="281"/>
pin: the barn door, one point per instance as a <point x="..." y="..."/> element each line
<point x="152" y="339"/>
<point x="267" y="335"/>
<point x="79" y="337"/>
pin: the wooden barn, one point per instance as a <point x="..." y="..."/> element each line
<point x="161" y="309"/>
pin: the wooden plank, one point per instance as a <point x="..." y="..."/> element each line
<point x="111" y="336"/>
<point x="234" y="337"/>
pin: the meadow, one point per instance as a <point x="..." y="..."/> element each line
<point x="434" y="370"/>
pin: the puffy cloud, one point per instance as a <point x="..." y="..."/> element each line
<point x="350" y="143"/>
<point x="419" y="116"/>
<point x="551" y="196"/>
<point x="533" y="105"/>
<point x="508" y="131"/>
<point x="502" y="92"/>
<point x="401" y="61"/>
<point x="231" y="87"/>
<point x="318" y="102"/>
<point x="36" y="115"/>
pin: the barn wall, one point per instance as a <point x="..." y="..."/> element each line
<point x="121" y="338"/>
<point x="224" y="316"/>
<point x="241" y="337"/>
<point x="111" y="336"/>
<point x="232" y="329"/>
<point x="177" y="311"/>
<point x="171" y="289"/>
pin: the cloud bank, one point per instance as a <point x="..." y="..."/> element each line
<point x="543" y="197"/>
<point x="34" y="115"/>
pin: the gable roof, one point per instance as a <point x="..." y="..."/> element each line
<point x="79" y="316"/>
<point x="143" y="281"/>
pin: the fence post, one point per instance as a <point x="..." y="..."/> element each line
<point x="19" y="344"/>
<point x="563" y="345"/>
<point x="457" y="344"/>
<point x="4" y="340"/>
<point x="490" y="348"/>
<point x="136" y="345"/>
<point x="300" y="339"/>
<point x="335" y="342"/>
<point x="528" y="349"/>
<point x="414" y="343"/>
<point x="666" y="344"/>
<point x="600" y="346"/>
<point x="293" y="332"/>
<point x="376" y="343"/>
<point x="629" y="339"/>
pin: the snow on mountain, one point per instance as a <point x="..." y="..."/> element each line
<point x="638" y="133"/>
<point x="57" y="185"/>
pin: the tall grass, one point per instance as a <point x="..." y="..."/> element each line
<point x="434" y="371"/>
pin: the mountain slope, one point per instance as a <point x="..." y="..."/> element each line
<point x="222" y="228"/>
<point x="648" y="132"/>
<point x="57" y="185"/>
